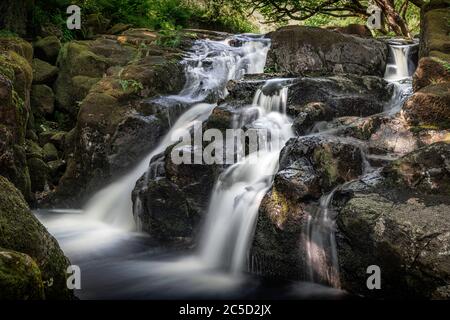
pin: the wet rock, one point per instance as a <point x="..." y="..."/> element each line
<point x="400" y="224"/>
<point x="298" y="50"/>
<point x="47" y="49"/>
<point x="430" y="106"/>
<point x="42" y="100"/>
<point x="20" y="277"/>
<point x="395" y="136"/>
<point x="171" y="199"/>
<point x="407" y="239"/>
<point x="426" y="169"/>
<point x="43" y="72"/>
<point x="17" y="219"/>
<point x="309" y="167"/>
<point x="321" y="98"/>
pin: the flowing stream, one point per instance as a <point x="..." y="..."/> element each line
<point x="320" y="246"/>
<point x="116" y="261"/>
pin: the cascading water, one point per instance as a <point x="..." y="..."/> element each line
<point x="399" y="65"/>
<point x="320" y="246"/>
<point x="209" y="67"/>
<point x="238" y="193"/>
<point x="116" y="263"/>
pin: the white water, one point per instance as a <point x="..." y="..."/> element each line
<point x="208" y="69"/>
<point x="399" y="68"/>
<point x="320" y="245"/>
<point x="238" y="193"/>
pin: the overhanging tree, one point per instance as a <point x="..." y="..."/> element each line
<point x="282" y="10"/>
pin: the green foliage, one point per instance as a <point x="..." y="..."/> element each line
<point x="4" y="33"/>
<point x="169" y="38"/>
<point x="134" y="85"/>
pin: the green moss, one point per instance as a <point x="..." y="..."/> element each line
<point x="20" y="277"/>
<point x="34" y="240"/>
<point x="324" y="158"/>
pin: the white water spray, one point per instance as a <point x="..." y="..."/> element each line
<point x="239" y="191"/>
<point x="208" y="68"/>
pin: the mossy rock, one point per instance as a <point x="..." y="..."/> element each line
<point x="18" y="45"/>
<point x="39" y="172"/>
<point x="57" y="168"/>
<point x="430" y="71"/>
<point x="429" y="106"/>
<point x="42" y="100"/>
<point x="20" y="277"/>
<point x="435" y="31"/>
<point x="43" y="72"/>
<point x="47" y="48"/>
<point x="33" y="150"/>
<point x="34" y="240"/>
<point x="50" y="152"/>
<point x="13" y="164"/>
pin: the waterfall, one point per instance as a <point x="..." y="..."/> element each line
<point x="234" y="206"/>
<point x="399" y="64"/>
<point x="208" y="68"/>
<point x="320" y="244"/>
<point x="321" y="252"/>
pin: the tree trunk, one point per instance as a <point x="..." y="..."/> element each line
<point x="393" y="19"/>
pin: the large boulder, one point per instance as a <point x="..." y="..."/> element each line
<point x="435" y="30"/>
<point x="429" y="106"/>
<point x="47" y="49"/>
<point x="43" y="72"/>
<point x="119" y="120"/>
<point x="299" y="50"/>
<point x="34" y="240"/>
<point x="402" y="225"/>
<point x="20" y="277"/>
<point x="309" y="167"/>
<point x="90" y="59"/>
<point x="171" y="199"/>
<point x="15" y="83"/>
<point x="319" y="98"/>
<point x="430" y="71"/>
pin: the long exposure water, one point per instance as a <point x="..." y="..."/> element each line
<point x="118" y="262"/>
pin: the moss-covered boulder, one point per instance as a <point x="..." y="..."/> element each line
<point x="435" y="30"/>
<point x="18" y="45"/>
<point x="47" y="48"/>
<point x="50" y="152"/>
<point x="429" y="106"/>
<point x="20" y="277"/>
<point x="81" y="64"/>
<point x="42" y="100"/>
<point x="21" y="231"/>
<point x="114" y="128"/>
<point x="43" y="72"/>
